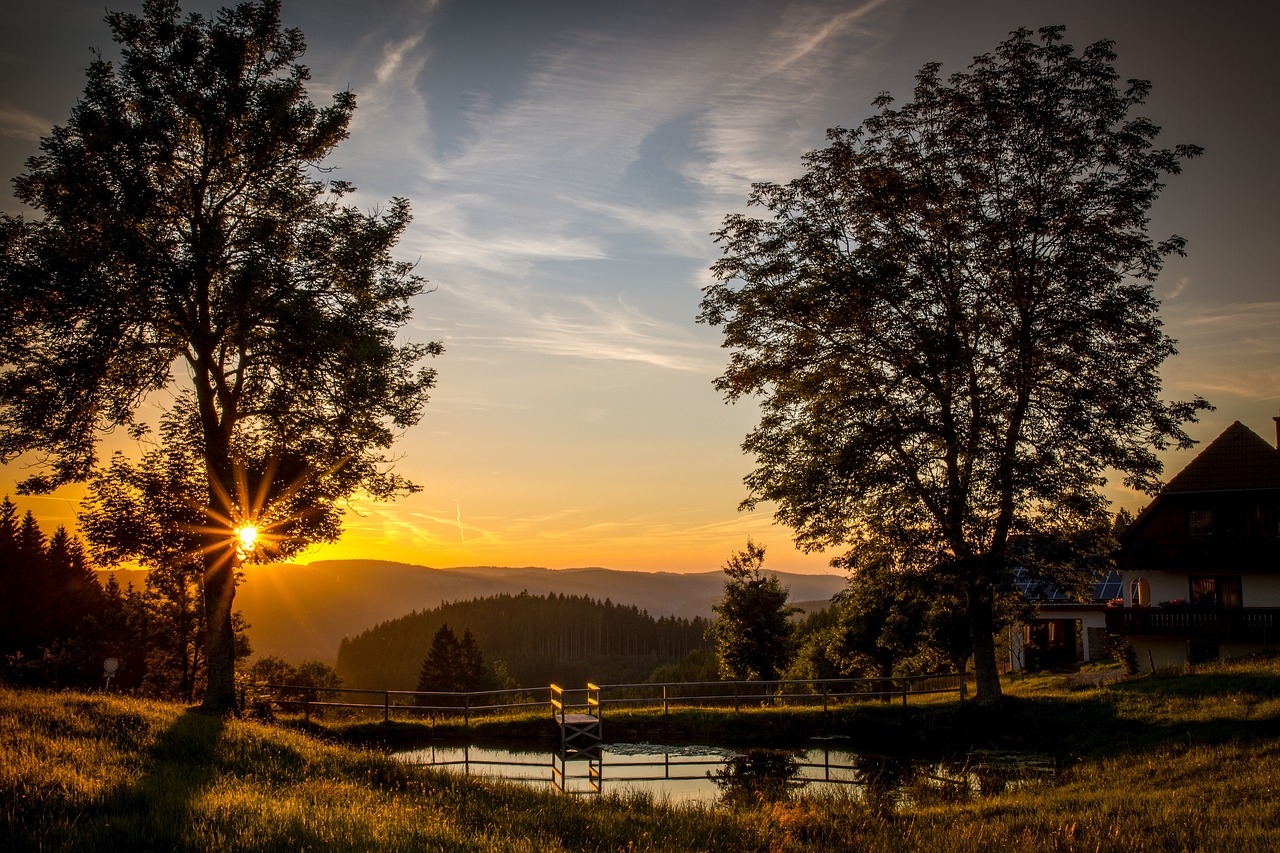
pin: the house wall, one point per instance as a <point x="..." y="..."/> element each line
<point x="1256" y="590"/>
<point x="1163" y="652"/>
<point x="1164" y="586"/>
<point x="1260" y="590"/>
<point x="1171" y="653"/>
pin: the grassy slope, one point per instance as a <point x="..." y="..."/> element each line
<point x="1157" y="764"/>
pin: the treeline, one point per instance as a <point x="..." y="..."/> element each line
<point x="59" y="625"/>
<point x="540" y="638"/>
<point x="52" y="608"/>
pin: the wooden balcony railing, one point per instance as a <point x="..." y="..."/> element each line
<point x="1248" y="624"/>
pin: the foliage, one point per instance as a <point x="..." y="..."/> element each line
<point x="698" y="665"/>
<point x="949" y="321"/>
<point x="455" y="664"/>
<point x="896" y="622"/>
<point x="184" y="225"/>
<point x="752" y="630"/>
<point x="537" y="639"/>
<point x="49" y="597"/>
<point x="758" y="776"/>
<point x="306" y="682"/>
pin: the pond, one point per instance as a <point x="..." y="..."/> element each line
<point x="709" y="774"/>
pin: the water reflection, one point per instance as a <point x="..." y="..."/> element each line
<point x="759" y="776"/>
<point x="708" y="774"/>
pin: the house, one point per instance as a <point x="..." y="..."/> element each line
<point x="1064" y="631"/>
<point x="1200" y="566"/>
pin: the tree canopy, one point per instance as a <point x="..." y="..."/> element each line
<point x="949" y="322"/>
<point x="752" y="629"/>
<point x="190" y="237"/>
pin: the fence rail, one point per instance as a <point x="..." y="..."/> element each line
<point x="419" y="703"/>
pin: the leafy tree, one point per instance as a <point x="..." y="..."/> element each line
<point x="306" y="682"/>
<point x="186" y="230"/>
<point x="950" y="324"/>
<point x="893" y="621"/>
<point x="752" y="629"/>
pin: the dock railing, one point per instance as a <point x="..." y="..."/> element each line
<point x="410" y="704"/>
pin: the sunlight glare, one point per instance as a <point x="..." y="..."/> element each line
<point x="246" y="536"/>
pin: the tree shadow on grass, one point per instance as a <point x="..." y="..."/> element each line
<point x="152" y="814"/>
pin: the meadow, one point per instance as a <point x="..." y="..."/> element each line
<point x="1179" y="762"/>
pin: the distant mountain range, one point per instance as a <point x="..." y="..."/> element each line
<point x="303" y="612"/>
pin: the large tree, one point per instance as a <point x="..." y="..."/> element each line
<point x="189" y="237"/>
<point x="949" y="320"/>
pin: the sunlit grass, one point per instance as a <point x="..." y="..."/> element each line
<point x="1148" y="765"/>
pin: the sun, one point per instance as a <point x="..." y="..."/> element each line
<point x="246" y="536"/>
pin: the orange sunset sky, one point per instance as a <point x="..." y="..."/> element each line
<point x="566" y="162"/>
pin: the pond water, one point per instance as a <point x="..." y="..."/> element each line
<point x="710" y="774"/>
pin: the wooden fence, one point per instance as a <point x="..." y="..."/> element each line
<point x="411" y="704"/>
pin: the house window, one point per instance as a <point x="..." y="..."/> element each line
<point x="1199" y="522"/>
<point x="1216" y="590"/>
<point x="1139" y="592"/>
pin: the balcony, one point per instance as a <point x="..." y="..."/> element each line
<point x="1246" y="624"/>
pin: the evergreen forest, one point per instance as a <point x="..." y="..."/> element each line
<point x="541" y="639"/>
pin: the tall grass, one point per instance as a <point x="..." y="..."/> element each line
<point x="1190" y="763"/>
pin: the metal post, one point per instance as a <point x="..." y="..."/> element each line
<point x="825" y="687"/>
<point x="664" y="701"/>
<point x="466" y="714"/>
<point x="905" y="685"/>
<point x="737" y="704"/>
<point x="386" y="706"/>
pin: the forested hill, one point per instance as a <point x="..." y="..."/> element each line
<point x="541" y="638"/>
<point x="301" y="612"/>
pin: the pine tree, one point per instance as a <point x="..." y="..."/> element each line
<point x="439" y="668"/>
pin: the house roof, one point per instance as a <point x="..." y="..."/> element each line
<point x="1236" y="460"/>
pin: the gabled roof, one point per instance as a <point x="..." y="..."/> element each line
<point x="1236" y="460"/>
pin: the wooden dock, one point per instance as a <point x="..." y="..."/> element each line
<point x="580" y="738"/>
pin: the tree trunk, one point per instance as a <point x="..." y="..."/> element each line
<point x="982" y="632"/>
<point x="220" y="650"/>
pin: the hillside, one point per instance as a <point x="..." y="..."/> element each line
<point x="302" y="612"/>
<point x="541" y="639"/>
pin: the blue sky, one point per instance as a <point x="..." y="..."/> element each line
<point x="567" y="161"/>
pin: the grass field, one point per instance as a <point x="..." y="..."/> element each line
<point x="1169" y="763"/>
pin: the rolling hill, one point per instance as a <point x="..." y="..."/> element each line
<point x="302" y="612"/>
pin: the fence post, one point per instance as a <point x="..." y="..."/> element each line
<point x="737" y="702"/>
<point x="825" y="687"/>
<point x="306" y="709"/>
<point x="466" y="714"/>
<point x="665" y="712"/>
<point x="386" y="706"/>
<point x="905" y="685"/>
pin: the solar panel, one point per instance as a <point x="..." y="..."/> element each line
<point x="1032" y="588"/>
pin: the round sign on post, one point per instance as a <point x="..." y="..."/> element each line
<point x="109" y="667"/>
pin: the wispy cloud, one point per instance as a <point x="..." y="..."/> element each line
<point x="605" y="328"/>
<point x="1228" y="352"/>
<point x="20" y="124"/>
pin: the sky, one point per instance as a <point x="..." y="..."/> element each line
<point x="567" y="162"/>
